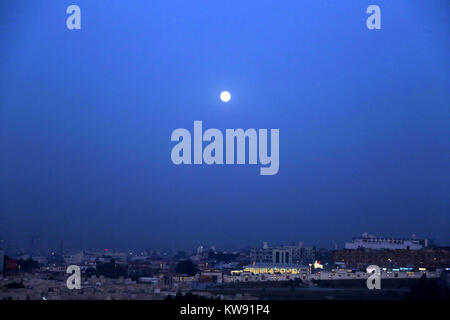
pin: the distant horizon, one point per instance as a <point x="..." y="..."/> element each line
<point x="207" y="246"/>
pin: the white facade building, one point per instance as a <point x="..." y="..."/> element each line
<point x="367" y="241"/>
<point x="280" y="254"/>
<point x="75" y="259"/>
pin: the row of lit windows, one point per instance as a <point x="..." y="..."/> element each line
<point x="272" y="270"/>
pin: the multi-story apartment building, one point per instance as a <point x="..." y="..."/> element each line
<point x="361" y="258"/>
<point x="382" y="243"/>
<point x="296" y="254"/>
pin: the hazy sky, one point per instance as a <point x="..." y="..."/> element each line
<point x="86" y="118"/>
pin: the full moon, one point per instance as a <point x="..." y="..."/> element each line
<point x="225" y="96"/>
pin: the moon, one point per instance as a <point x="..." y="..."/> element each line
<point x="225" y="96"/>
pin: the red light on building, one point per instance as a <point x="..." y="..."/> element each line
<point x="11" y="264"/>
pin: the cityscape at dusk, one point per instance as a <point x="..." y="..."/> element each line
<point x="290" y="271"/>
<point x="267" y="153"/>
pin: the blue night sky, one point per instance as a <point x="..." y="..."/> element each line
<point x="86" y="118"/>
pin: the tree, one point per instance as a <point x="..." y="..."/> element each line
<point x="27" y="265"/>
<point x="427" y="289"/>
<point x="186" y="267"/>
<point x="224" y="257"/>
<point x="15" y="285"/>
<point x="188" y="296"/>
<point x="111" y="270"/>
<point x="90" y="272"/>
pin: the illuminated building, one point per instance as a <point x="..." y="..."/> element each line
<point x="317" y="265"/>
<point x="361" y="258"/>
<point x="270" y="268"/>
<point x="296" y="254"/>
<point x="380" y="243"/>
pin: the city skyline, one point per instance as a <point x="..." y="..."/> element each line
<point x="35" y="245"/>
